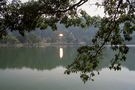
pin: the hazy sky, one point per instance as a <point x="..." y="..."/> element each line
<point x="93" y="9"/>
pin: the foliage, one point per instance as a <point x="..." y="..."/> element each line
<point x="2" y="14"/>
<point x="119" y="13"/>
<point x="39" y="14"/>
<point x="9" y="39"/>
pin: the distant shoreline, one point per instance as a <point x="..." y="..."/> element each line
<point x="38" y="45"/>
<point x="20" y="45"/>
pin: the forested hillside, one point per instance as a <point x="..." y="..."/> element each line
<point x="72" y="35"/>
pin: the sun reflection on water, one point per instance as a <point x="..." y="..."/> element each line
<point x="61" y="52"/>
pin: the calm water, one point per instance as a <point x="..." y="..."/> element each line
<point x="43" y="69"/>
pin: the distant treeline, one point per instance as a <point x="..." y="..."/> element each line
<point x="71" y="35"/>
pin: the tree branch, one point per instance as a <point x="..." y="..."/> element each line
<point x="81" y="2"/>
<point x="108" y="35"/>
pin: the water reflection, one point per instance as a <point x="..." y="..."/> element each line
<point x="49" y="58"/>
<point x="42" y="69"/>
<point x="36" y="58"/>
<point x="61" y="52"/>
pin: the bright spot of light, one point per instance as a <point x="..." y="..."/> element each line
<point x="61" y="52"/>
<point x="61" y="35"/>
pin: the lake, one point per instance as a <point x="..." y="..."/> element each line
<point x="43" y="69"/>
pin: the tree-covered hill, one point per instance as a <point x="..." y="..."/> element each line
<point x="74" y="35"/>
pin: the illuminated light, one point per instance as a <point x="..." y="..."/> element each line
<point x="61" y="35"/>
<point x="61" y="52"/>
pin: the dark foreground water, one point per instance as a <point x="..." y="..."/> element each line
<point x="43" y="69"/>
